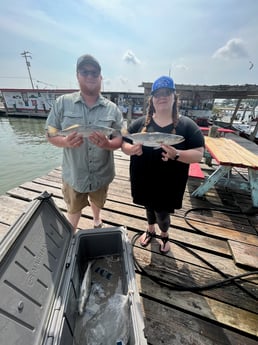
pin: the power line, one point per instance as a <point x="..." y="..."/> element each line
<point x="5" y="77"/>
<point x="46" y="84"/>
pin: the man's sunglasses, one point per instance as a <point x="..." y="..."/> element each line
<point x="87" y="73"/>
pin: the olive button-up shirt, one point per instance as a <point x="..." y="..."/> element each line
<point x="88" y="167"/>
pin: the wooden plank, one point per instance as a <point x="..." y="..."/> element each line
<point x="244" y="254"/>
<point x="11" y="209"/>
<point x="209" y="309"/>
<point x="166" y="325"/>
<point x="183" y="275"/>
<point x="115" y="194"/>
<point x="3" y="231"/>
<point x="110" y="217"/>
<point x="227" y="233"/>
<point x="228" y="152"/>
<point x="115" y="189"/>
<point x="242" y="223"/>
<point x="224" y="264"/>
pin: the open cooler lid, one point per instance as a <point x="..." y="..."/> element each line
<point x="32" y="263"/>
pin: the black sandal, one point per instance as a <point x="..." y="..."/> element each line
<point x="148" y="237"/>
<point x="164" y="241"/>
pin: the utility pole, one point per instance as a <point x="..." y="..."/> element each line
<point x="26" y="56"/>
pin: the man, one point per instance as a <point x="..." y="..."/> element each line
<point x="88" y="164"/>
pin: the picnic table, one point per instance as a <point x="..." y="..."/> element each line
<point x="229" y="154"/>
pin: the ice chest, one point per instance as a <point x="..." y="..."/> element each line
<point x="41" y="269"/>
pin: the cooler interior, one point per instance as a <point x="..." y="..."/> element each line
<point x="112" y="281"/>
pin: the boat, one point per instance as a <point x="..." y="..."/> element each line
<point x="38" y="102"/>
<point x="243" y="117"/>
<point x="244" y="123"/>
<point x="246" y="130"/>
<point x="137" y="111"/>
<point x="30" y="102"/>
<point x="2" y="108"/>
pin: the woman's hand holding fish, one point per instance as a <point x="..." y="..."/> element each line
<point x="134" y="149"/>
<point x="169" y="152"/>
<point x="137" y="149"/>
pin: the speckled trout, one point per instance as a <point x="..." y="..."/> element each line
<point x="86" y="131"/>
<point x="85" y="288"/>
<point x="155" y="139"/>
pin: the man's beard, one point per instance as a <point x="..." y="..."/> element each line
<point x="90" y="91"/>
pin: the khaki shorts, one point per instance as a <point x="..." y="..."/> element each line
<point x="76" y="201"/>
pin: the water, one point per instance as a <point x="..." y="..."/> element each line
<point x="24" y="151"/>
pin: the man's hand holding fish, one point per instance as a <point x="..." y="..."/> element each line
<point x="100" y="140"/>
<point x="73" y="140"/>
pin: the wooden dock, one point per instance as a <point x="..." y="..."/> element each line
<point x="207" y="247"/>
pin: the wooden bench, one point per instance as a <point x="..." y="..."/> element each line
<point x="221" y="131"/>
<point x="229" y="154"/>
<point x="196" y="171"/>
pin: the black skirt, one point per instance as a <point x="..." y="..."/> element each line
<point x="156" y="183"/>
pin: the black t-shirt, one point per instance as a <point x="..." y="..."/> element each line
<point x="155" y="183"/>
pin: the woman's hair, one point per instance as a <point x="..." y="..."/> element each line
<point x="151" y="110"/>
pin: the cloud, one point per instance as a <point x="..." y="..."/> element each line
<point x="118" y="10"/>
<point x="123" y="80"/>
<point x="106" y="81"/>
<point x="233" y="49"/>
<point x="181" y="67"/>
<point x="130" y="58"/>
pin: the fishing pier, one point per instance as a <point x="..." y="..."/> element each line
<point x="205" y="291"/>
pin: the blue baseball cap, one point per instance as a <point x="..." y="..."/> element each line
<point x="163" y="82"/>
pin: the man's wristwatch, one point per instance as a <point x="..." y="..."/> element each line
<point x="176" y="156"/>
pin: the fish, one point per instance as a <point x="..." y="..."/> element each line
<point x="85" y="130"/>
<point x="85" y="288"/>
<point x="155" y="139"/>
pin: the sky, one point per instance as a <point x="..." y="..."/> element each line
<point x="197" y="42"/>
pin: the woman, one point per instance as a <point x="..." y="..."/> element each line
<point x="159" y="176"/>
